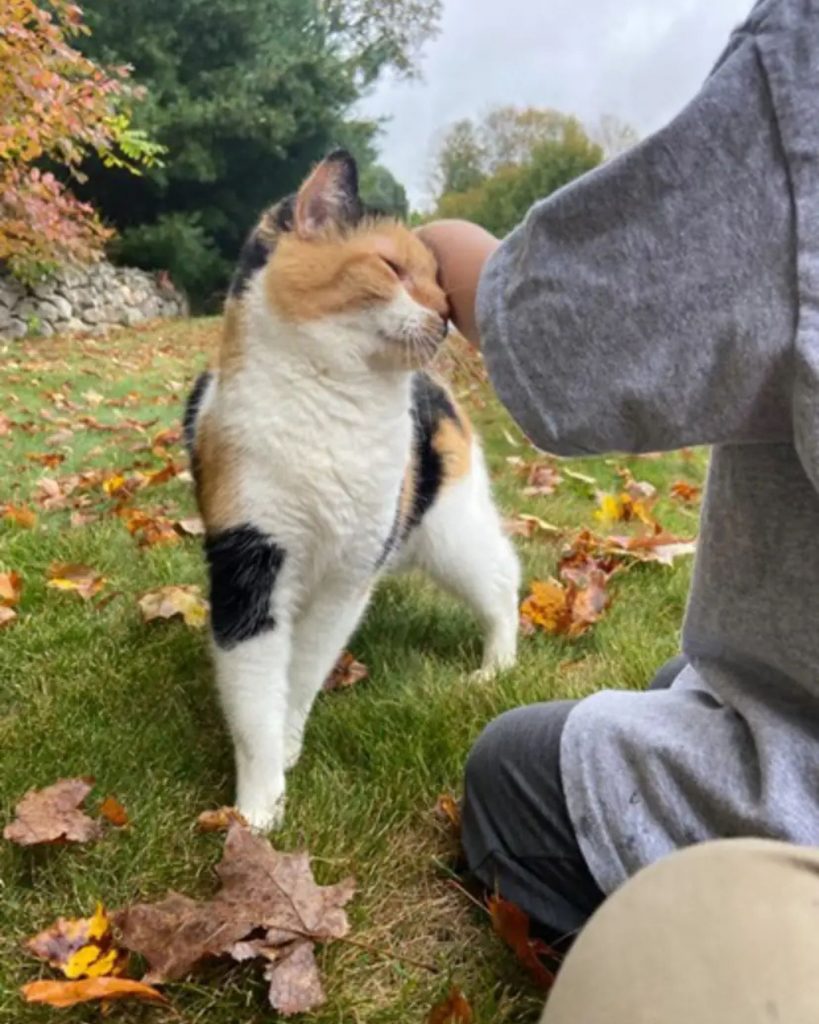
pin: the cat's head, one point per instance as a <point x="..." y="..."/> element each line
<point x="350" y="288"/>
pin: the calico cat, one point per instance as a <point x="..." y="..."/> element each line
<point x="323" y="456"/>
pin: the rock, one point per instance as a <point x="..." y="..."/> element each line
<point x="15" y="329"/>
<point x="63" y="307"/>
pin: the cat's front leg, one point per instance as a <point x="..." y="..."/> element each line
<point x="252" y="643"/>
<point x="252" y="679"/>
<point x="319" y="636"/>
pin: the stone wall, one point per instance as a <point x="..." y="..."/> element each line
<point x="92" y="298"/>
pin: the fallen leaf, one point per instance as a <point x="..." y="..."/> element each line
<point x="512" y="925"/>
<point x="295" y="982"/>
<point x="53" y="815"/>
<point x="261" y="890"/>
<point x="161" y="476"/>
<point x="11" y="589"/>
<point x="112" y="810"/>
<point x="192" y="527"/>
<point x="80" y="947"/>
<point x="170" y="601"/>
<point x="448" y="808"/>
<point x="69" y="993"/>
<point x="525" y="525"/>
<point x="79" y="579"/>
<point x="7" y="616"/>
<point x="149" y="529"/>
<point x="453" y="1010"/>
<point x="689" y="493"/>
<point x="581" y="478"/>
<point x="219" y="820"/>
<point x="5" y="425"/>
<point x="48" y="459"/>
<point x="20" y="515"/>
<point x="59" y="437"/>
<point x="547" y="606"/>
<point x="543" y="479"/>
<point x="659" y="546"/>
<point x="347" y="672"/>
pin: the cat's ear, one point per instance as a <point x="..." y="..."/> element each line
<point x="328" y="196"/>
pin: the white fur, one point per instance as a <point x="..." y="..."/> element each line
<point x="321" y="417"/>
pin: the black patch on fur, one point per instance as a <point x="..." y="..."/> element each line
<point x="430" y="405"/>
<point x="252" y="257"/>
<point x="244" y="564"/>
<point x="192" y="409"/>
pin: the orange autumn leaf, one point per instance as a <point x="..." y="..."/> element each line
<point x="547" y="607"/>
<point x="220" y="819"/>
<point x="48" y="459"/>
<point x="449" y="809"/>
<point x="69" y="993"/>
<point x="11" y="589"/>
<point x="455" y="1009"/>
<point x="112" y="810"/>
<point x="528" y="526"/>
<point x="512" y="925"/>
<point x="78" y="579"/>
<point x="148" y="529"/>
<point x="686" y="492"/>
<point x="21" y="515"/>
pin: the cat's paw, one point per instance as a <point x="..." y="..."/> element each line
<point x="263" y="816"/>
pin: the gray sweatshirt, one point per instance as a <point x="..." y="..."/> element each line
<point x="671" y="298"/>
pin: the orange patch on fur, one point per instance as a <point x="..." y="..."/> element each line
<point x="216" y="483"/>
<point x="341" y="270"/>
<point x="452" y="440"/>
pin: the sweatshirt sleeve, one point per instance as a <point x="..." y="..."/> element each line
<point x="652" y="304"/>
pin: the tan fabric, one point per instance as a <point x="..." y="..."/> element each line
<point x="722" y="933"/>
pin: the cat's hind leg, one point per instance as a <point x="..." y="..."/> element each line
<point x="460" y="542"/>
<point x="252" y="642"/>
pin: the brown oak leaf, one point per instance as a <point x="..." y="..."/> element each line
<point x="295" y="982"/>
<point x="53" y="815"/>
<point x="168" y="602"/>
<point x="78" y="579"/>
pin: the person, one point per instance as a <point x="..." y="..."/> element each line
<point x="670" y="298"/>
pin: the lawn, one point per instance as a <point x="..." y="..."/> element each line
<point x="90" y="689"/>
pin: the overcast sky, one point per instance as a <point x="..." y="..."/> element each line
<point x="641" y="60"/>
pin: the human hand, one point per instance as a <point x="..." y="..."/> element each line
<point x="461" y="249"/>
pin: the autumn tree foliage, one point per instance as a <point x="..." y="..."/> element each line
<point x="57" y="107"/>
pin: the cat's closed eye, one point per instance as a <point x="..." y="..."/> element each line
<point x="396" y="268"/>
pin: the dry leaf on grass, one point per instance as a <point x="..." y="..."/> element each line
<point x="113" y="811"/>
<point x="168" y="602"/>
<point x="191" y="527"/>
<point x="683" y="491"/>
<point x="7" y="616"/>
<point x="528" y="526"/>
<point x="11" y="589"/>
<point x="261" y="890"/>
<point x="543" y="480"/>
<point x="220" y="819"/>
<point x="48" y="459"/>
<point x="77" y="579"/>
<point x="149" y="529"/>
<point x="512" y="925"/>
<point x="53" y="815"/>
<point x="448" y="808"/>
<point x="660" y="547"/>
<point x="69" y="993"/>
<point x="347" y="672"/>
<point x="453" y="1010"/>
<point x="21" y="515"/>
<point x="80" y="947"/>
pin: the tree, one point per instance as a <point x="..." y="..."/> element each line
<point x="246" y="96"/>
<point x="57" y="106"/>
<point x="460" y="163"/>
<point x="614" y="136"/>
<point x="501" y="199"/>
<point x="380" y="190"/>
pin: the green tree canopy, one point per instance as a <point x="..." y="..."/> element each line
<point x="514" y="157"/>
<point x="245" y="95"/>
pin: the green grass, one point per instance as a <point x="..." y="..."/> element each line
<point x="87" y="690"/>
